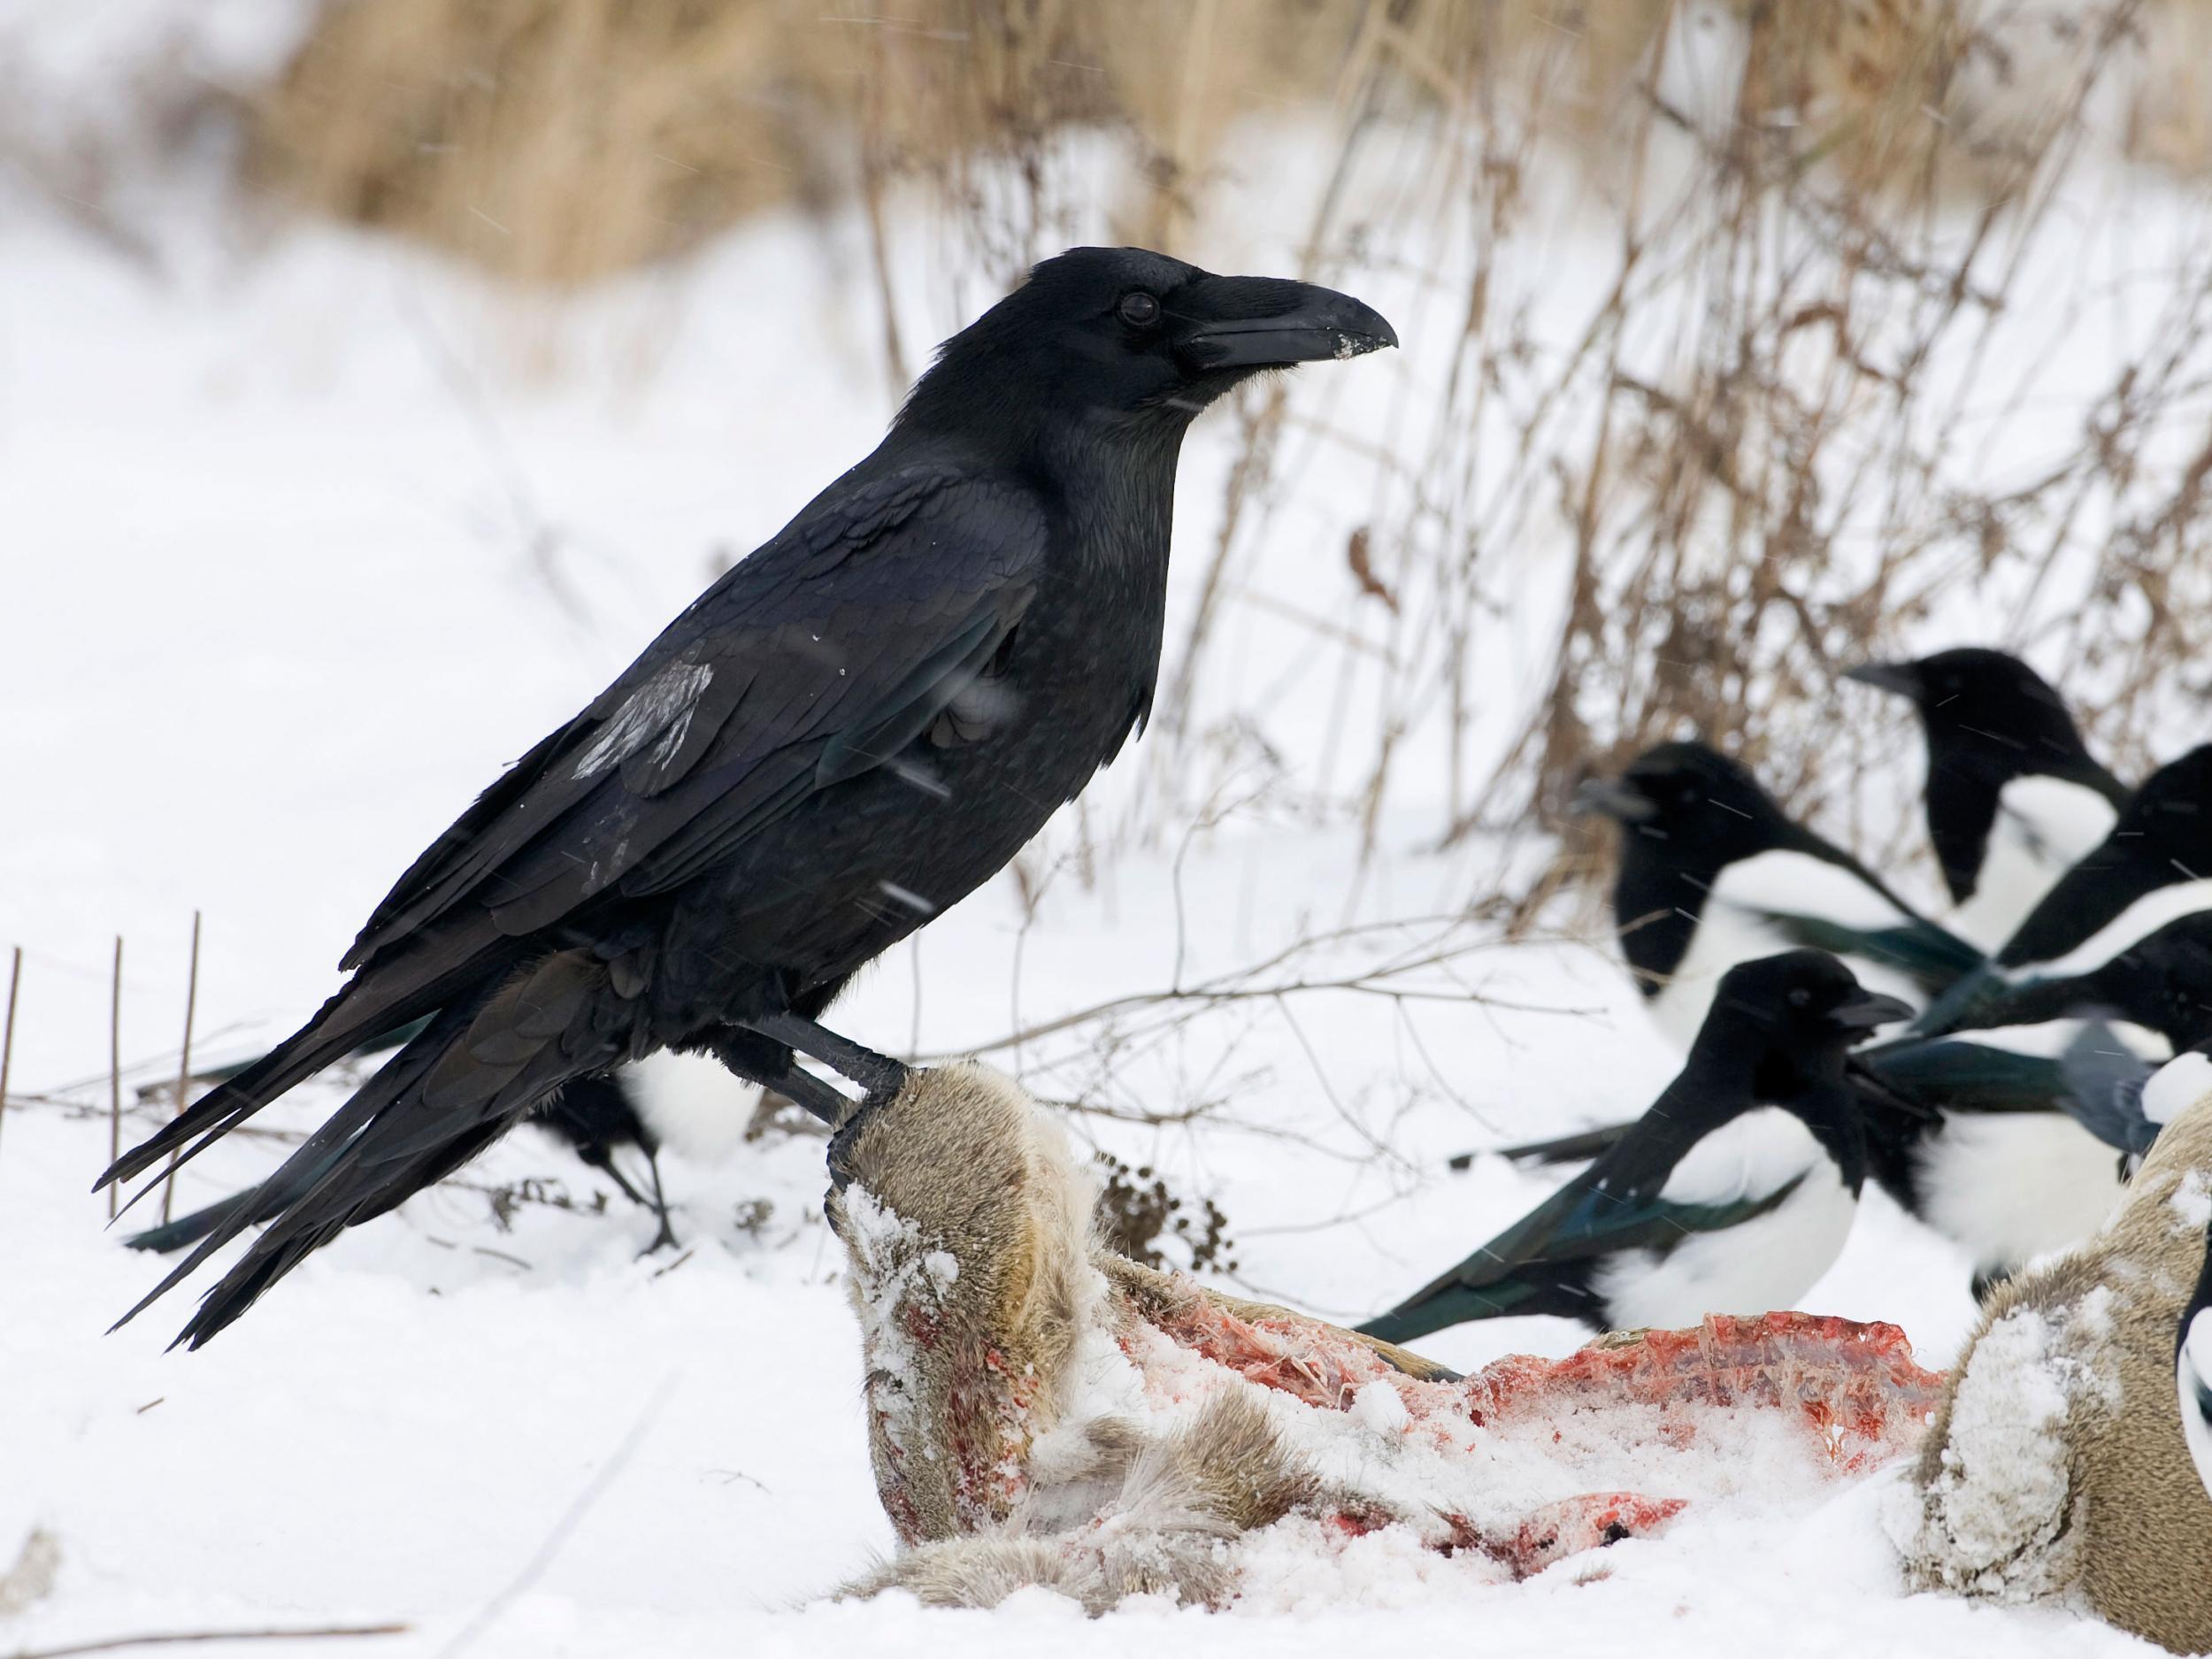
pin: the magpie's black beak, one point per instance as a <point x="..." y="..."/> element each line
<point x="1868" y="1010"/>
<point x="1901" y="677"/>
<point x="1616" y="801"/>
<point x="1270" y="323"/>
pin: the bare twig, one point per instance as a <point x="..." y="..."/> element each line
<point x="115" y="1072"/>
<point x="594" y="1489"/>
<point x="171" y="1639"/>
<point x="7" y="1035"/>
<point x="184" y="1066"/>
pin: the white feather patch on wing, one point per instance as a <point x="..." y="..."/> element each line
<point x="2176" y="1085"/>
<point x="2042" y="828"/>
<point x="2050" y="1039"/>
<point x="1760" y="1266"/>
<point x="1737" y="923"/>
<point x="660" y="708"/>
<point x="2145" y="916"/>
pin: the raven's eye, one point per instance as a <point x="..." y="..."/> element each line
<point x="1800" y="997"/>
<point x="1137" y="309"/>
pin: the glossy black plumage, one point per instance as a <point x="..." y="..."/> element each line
<point x="856" y="726"/>
<point x="594" y="1117"/>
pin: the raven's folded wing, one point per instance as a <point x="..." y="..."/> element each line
<point x="808" y="663"/>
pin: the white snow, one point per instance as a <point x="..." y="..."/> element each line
<point x="1999" y="1502"/>
<point x="297" y="556"/>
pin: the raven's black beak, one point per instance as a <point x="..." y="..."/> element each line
<point x="1616" y="801"/>
<point x="1901" y="677"/>
<point x="1269" y="323"/>
<point x="1868" y="1010"/>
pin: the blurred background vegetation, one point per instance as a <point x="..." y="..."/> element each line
<point x="1795" y="409"/>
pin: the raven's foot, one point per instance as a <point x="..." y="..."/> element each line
<point x="749" y="1054"/>
<point x="878" y="1073"/>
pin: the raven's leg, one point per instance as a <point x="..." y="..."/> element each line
<point x="771" y="1065"/>
<point x="878" y="1073"/>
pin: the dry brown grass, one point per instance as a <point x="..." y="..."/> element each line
<point x="558" y="141"/>
<point x="1831" y="244"/>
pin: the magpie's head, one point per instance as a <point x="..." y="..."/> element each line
<point x="1134" y="336"/>
<point x="1688" y="795"/>
<point x="2170" y="816"/>
<point x="1982" y="709"/>
<point x="1799" y="1010"/>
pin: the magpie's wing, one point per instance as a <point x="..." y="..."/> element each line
<point x="1931" y="957"/>
<point x="2104" y="1088"/>
<point x="1956" y="1075"/>
<point x="1578" y="1147"/>
<point x="818" y="658"/>
<point x="1588" y="1218"/>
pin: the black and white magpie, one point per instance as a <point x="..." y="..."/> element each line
<point x="2013" y="797"/>
<point x="1979" y="1143"/>
<point x="2153" y="867"/>
<point x="1713" y="872"/>
<point x="1731" y="1195"/>
<point x="2193" y="1372"/>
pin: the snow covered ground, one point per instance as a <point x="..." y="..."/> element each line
<point x="295" y="556"/>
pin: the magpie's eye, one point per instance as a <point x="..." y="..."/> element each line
<point x="1800" y="997"/>
<point x="1137" y="309"/>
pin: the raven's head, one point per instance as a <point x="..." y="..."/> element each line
<point x="1122" y="332"/>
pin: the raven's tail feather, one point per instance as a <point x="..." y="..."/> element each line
<point x="357" y="1015"/>
<point x="470" y="1076"/>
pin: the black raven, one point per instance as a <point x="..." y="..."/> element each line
<point x="594" y="1117"/>
<point x="850" y="730"/>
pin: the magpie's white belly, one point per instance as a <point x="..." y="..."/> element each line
<point x="1735" y="924"/>
<point x="1759" y="1266"/>
<point x="692" y="1104"/>
<point x="2192" y="1370"/>
<point x="2043" y="826"/>
<point x="2010" y="1187"/>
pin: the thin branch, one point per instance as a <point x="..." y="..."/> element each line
<point x="171" y="1639"/>
<point x="593" y="1490"/>
<point x="115" y="1072"/>
<point x="7" y="1036"/>
<point x="184" y="1069"/>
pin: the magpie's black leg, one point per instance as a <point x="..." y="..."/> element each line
<point x="667" y="1234"/>
<point x="878" y="1073"/>
<point x="771" y="1065"/>
<point x="603" y="1162"/>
